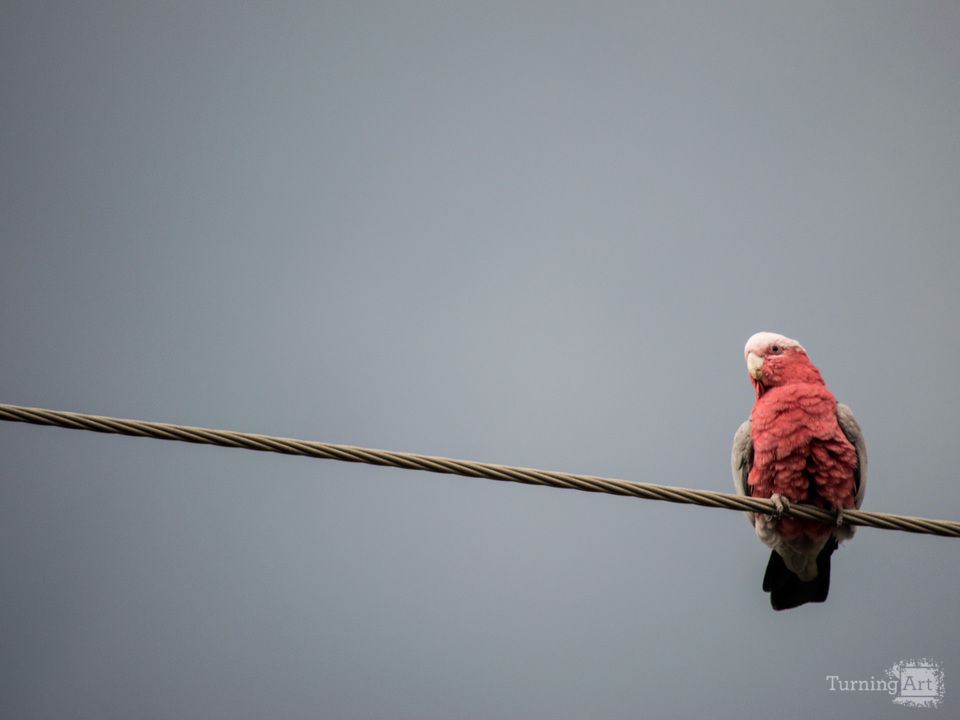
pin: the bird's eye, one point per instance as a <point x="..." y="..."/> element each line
<point x="775" y="348"/>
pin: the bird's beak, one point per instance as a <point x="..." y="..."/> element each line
<point x="755" y="366"/>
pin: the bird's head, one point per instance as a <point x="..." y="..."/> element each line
<point x="774" y="360"/>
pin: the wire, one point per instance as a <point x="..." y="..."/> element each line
<point x="431" y="463"/>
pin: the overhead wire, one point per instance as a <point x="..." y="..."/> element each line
<point x="470" y="468"/>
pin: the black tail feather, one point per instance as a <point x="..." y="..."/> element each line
<point x="787" y="590"/>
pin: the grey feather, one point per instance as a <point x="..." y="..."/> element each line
<point x="851" y="429"/>
<point x="741" y="460"/>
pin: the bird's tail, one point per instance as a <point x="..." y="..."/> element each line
<point x="787" y="590"/>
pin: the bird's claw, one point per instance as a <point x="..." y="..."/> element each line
<point x="839" y="517"/>
<point x="780" y="504"/>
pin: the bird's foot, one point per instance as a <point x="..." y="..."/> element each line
<point x="839" y="517"/>
<point x="780" y="503"/>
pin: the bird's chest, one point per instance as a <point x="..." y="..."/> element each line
<point x="791" y="429"/>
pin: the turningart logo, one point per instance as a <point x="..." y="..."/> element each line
<point x="911" y="683"/>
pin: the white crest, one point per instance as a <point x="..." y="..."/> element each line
<point x="762" y="340"/>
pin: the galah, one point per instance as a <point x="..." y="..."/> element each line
<point x="800" y="445"/>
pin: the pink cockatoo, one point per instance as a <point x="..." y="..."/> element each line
<point x="799" y="445"/>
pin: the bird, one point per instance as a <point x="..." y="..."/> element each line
<point x="798" y="446"/>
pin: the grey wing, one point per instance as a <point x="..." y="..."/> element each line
<point x="741" y="460"/>
<point x="851" y="429"/>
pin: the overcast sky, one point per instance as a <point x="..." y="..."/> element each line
<point x="524" y="233"/>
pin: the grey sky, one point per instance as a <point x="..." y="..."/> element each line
<point x="527" y="233"/>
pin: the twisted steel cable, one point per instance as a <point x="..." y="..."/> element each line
<point x="431" y="463"/>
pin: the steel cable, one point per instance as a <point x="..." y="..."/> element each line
<point x="468" y="468"/>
